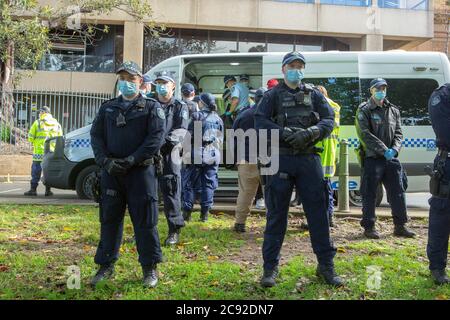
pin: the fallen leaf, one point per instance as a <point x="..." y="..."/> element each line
<point x="3" y="268"/>
<point x="212" y="258"/>
<point x="442" y="297"/>
<point x="67" y="229"/>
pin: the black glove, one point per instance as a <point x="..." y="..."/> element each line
<point x="301" y="138"/>
<point x="287" y="132"/>
<point x="166" y="148"/>
<point x="114" y="167"/>
<point x="127" y="162"/>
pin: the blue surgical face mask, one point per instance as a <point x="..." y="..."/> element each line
<point x="161" y="89"/>
<point x="127" y="88"/>
<point x="294" y="75"/>
<point x="379" y="95"/>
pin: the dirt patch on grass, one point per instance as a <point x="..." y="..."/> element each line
<point x="346" y="231"/>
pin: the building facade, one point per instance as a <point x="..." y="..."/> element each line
<point x="215" y="26"/>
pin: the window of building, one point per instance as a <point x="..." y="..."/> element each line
<point x="356" y="3"/>
<point x="252" y="42"/>
<point x="157" y="49"/>
<point x="404" y="4"/>
<point x="222" y="41"/>
<point x="298" y="1"/>
<point x="193" y="41"/>
<point x="280" y="43"/>
<point x="410" y="95"/>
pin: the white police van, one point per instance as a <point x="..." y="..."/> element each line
<point x="411" y="77"/>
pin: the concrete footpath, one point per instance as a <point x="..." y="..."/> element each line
<point x="12" y="193"/>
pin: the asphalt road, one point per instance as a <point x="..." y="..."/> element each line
<point x="13" y="193"/>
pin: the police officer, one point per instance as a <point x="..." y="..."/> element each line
<point x="125" y="136"/>
<point x="248" y="173"/>
<point x="146" y="87"/>
<point x="303" y="117"/>
<point x="188" y="94"/>
<point x="229" y="82"/>
<point x="177" y="120"/>
<point x="205" y="159"/>
<point x="439" y="220"/>
<point x="328" y="155"/>
<point x="380" y="134"/>
<point x="44" y="127"/>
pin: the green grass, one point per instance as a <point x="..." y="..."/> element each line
<point x="38" y="243"/>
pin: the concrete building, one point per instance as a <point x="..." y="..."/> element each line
<point x="202" y="26"/>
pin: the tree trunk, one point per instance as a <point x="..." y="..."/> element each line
<point x="6" y="84"/>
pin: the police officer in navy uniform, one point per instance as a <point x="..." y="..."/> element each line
<point x="380" y="134"/>
<point x="439" y="220"/>
<point x="188" y="95"/>
<point x="303" y="116"/>
<point x="205" y="158"/>
<point x="125" y="136"/>
<point x="177" y="120"/>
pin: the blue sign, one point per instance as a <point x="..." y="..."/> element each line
<point x="352" y="185"/>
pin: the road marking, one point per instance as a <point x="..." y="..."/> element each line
<point x="11" y="190"/>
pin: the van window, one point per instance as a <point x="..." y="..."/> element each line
<point x="345" y="92"/>
<point x="410" y="95"/>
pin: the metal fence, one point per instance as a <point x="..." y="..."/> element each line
<point x="73" y="110"/>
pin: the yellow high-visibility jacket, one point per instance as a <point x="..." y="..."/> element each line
<point x="44" y="127"/>
<point x="330" y="143"/>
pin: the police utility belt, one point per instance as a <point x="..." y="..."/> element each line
<point x="439" y="186"/>
<point x="148" y="162"/>
<point x="293" y="152"/>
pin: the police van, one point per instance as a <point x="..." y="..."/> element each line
<point x="411" y="77"/>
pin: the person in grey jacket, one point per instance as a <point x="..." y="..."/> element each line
<point x="380" y="134"/>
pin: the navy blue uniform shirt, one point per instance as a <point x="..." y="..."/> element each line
<point x="140" y="137"/>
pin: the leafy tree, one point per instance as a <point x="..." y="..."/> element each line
<point x="27" y="29"/>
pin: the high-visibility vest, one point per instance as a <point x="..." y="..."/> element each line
<point x="45" y="127"/>
<point x="330" y="143"/>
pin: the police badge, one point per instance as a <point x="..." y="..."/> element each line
<point x="436" y="100"/>
<point x="160" y="113"/>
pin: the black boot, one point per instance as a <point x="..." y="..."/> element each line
<point x="187" y="215"/>
<point x="371" y="233"/>
<point x="150" y="276"/>
<point x="239" y="227"/>
<point x="104" y="272"/>
<point x="268" y="278"/>
<point x="48" y="192"/>
<point x="172" y="238"/>
<point x="31" y="192"/>
<point x="403" y="231"/>
<point x="328" y="274"/>
<point x="204" y="216"/>
<point x="440" y="277"/>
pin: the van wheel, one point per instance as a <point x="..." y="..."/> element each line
<point x="356" y="199"/>
<point x="84" y="182"/>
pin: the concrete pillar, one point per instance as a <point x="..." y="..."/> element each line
<point x="372" y="42"/>
<point x="133" y="42"/>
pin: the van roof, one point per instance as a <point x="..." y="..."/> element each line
<point x="423" y="56"/>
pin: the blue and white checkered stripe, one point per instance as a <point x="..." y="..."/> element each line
<point x="415" y="143"/>
<point x="80" y="143"/>
<point x="428" y="143"/>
